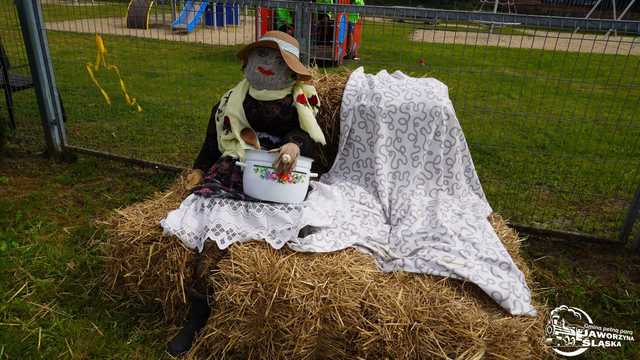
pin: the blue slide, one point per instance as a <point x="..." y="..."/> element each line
<point x="190" y="16"/>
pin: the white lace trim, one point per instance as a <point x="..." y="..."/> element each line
<point x="227" y="221"/>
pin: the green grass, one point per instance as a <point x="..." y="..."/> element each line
<point x="469" y="27"/>
<point x="57" y="12"/>
<point x="53" y="302"/>
<point x="601" y="280"/>
<point x="553" y="135"/>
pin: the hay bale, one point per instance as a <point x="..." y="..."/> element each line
<point x="330" y="87"/>
<point x="140" y="262"/>
<point x="281" y="304"/>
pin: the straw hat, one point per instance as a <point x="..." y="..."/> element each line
<point x="289" y="49"/>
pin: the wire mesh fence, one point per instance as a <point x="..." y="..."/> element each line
<point x="548" y="104"/>
<point x="11" y="38"/>
<point x="14" y="68"/>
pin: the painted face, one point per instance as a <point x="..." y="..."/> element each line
<point x="266" y="70"/>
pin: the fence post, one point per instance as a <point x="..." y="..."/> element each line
<point x="37" y="47"/>
<point x="635" y="244"/>
<point x="302" y="29"/>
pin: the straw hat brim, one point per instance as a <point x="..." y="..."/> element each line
<point x="302" y="72"/>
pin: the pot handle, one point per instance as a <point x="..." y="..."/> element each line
<point x="241" y="164"/>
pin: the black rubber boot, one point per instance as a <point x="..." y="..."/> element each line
<point x="196" y="319"/>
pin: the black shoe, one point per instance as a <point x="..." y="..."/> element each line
<point x="196" y="320"/>
<point x="307" y="230"/>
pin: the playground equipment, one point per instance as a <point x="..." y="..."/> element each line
<point x="509" y="5"/>
<point x="222" y="14"/>
<point x="215" y="14"/>
<point x="614" y="13"/>
<point x="329" y="33"/>
<point x="218" y="14"/>
<point x="190" y="16"/>
<point x="497" y="5"/>
<point x="138" y="14"/>
<point x="602" y="6"/>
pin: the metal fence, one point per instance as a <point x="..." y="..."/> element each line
<point x="549" y="105"/>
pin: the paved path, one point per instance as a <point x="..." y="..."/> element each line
<point x="232" y="35"/>
<point x="547" y="40"/>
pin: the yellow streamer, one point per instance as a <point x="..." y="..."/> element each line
<point x="101" y="61"/>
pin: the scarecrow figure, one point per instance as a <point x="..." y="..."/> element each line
<point x="271" y="109"/>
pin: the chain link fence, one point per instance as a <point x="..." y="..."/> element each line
<point x="13" y="61"/>
<point x="549" y="105"/>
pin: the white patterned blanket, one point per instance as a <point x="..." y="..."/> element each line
<point x="407" y="190"/>
<point x="403" y="188"/>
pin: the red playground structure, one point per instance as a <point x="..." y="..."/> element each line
<point x="333" y="38"/>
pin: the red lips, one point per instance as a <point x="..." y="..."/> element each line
<point x="265" y="72"/>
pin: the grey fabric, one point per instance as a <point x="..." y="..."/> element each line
<point x="271" y="60"/>
<point x="405" y="190"/>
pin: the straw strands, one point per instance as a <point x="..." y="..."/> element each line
<point x="286" y="305"/>
<point x="281" y="304"/>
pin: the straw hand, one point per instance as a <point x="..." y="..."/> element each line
<point x="287" y="158"/>
<point x="194" y="178"/>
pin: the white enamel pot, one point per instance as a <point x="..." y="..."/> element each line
<point x="261" y="181"/>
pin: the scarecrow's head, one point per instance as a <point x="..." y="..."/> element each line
<point x="273" y="62"/>
<point x="266" y="70"/>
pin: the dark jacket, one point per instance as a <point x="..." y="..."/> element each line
<point x="278" y="118"/>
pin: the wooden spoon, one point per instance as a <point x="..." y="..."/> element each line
<point x="249" y="137"/>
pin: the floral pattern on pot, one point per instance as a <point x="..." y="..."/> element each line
<point x="268" y="173"/>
